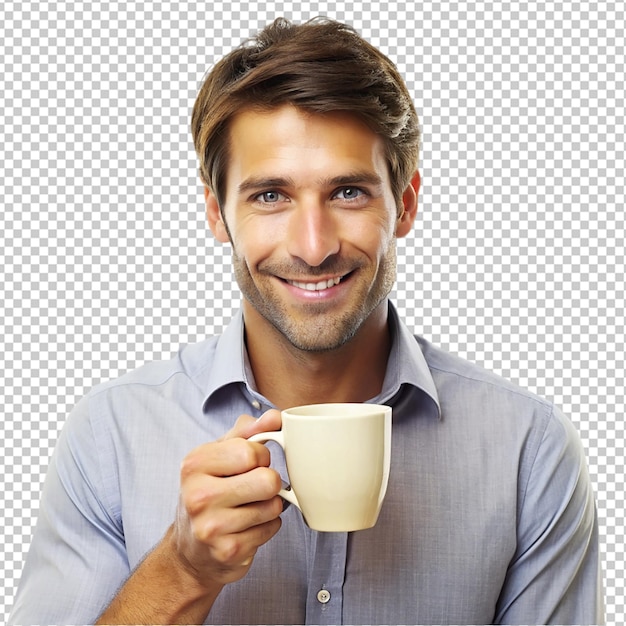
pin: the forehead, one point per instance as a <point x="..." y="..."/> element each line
<point x="288" y="141"/>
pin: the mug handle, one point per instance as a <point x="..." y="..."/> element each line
<point x="286" y="492"/>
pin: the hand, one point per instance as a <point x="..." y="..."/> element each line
<point x="229" y="503"/>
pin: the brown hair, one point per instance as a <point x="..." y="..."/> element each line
<point x="319" y="66"/>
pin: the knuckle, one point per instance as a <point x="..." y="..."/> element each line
<point x="194" y="503"/>
<point x="187" y="467"/>
<point x="245" y="454"/>
<point x="228" y="551"/>
<point x="237" y="450"/>
<point x="192" y="509"/>
<point x="269" y="481"/>
<point x="209" y="532"/>
<point x="191" y="464"/>
<point x="198" y="499"/>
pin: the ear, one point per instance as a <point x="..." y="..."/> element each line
<point x="214" y="216"/>
<point x="405" y="221"/>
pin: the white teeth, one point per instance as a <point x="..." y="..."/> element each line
<point x="323" y="284"/>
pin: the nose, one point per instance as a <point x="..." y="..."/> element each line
<point x="313" y="233"/>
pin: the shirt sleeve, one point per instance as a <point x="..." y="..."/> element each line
<point x="77" y="556"/>
<point x="555" y="576"/>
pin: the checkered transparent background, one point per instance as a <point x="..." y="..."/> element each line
<point x="517" y="261"/>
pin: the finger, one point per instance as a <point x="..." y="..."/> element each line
<point x="270" y="420"/>
<point x="201" y="492"/>
<point x="233" y="556"/>
<point x="229" y="557"/>
<point x="246" y="425"/>
<point x="237" y="547"/>
<point x="210" y="528"/>
<point x="241" y="425"/>
<point x="225" y="458"/>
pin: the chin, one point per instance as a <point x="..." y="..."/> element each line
<point x="319" y="339"/>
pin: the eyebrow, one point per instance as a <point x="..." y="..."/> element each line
<point x="352" y="178"/>
<point x="258" y="182"/>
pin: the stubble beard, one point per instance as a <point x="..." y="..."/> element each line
<point x="318" y="329"/>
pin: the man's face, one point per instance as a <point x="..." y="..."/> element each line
<point x="312" y="221"/>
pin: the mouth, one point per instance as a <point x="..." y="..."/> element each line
<point x="316" y="286"/>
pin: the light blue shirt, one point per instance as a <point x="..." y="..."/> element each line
<point x="489" y="516"/>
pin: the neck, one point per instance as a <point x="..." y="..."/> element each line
<point x="288" y="377"/>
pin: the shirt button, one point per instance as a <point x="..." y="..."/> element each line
<point x="323" y="596"/>
<point x="256" y="404"/>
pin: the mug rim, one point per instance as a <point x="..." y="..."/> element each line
<point x="331" y="410"/>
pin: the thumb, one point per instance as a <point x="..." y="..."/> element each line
<point x="246" y="425"/>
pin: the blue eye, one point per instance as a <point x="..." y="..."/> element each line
<point x="349" y="193"/>
<point x="270" y="197"/>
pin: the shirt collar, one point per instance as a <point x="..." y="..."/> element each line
<point x="229" y="360"/>
<point x="406" y="365"/>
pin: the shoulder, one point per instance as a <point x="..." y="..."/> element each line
<point x="490" y="404"/>
<point x="132" y="410"/>
<point x="189" y="362"/>
<point x="460" y="380"/>
<point x="135" y="413"/>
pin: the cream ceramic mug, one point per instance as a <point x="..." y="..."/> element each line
<point x="338" y="457"/>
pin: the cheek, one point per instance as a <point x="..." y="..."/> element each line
<point x="255" y="241"/>
<point x="372" y="236"/>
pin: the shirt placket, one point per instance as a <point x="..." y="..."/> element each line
<point x="325" y="591"/>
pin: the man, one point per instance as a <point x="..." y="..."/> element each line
<point x="308" y="148"/>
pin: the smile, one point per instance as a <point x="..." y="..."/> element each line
<point x="319" y="286"/>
